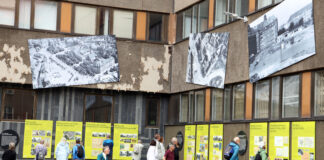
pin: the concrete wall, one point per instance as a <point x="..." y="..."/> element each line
<point x="181" y="4"/>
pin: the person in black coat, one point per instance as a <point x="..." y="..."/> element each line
<point x="10" y="154"/>
<point x="177" y="148"/>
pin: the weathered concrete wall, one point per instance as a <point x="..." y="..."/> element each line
<point x="143" y="66"/>
<point x="181" y="4"/>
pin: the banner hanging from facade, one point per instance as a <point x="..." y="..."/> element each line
<point x="125" y="137"/>
<point x="202" y="142"/>
<point x="216" y="142"/>
<point x="189" y="142"/>
<point x="95" y="134"/>
<point x="35" y="131"/>
<point x="303" y="141"/>
<point x="258" y="138"/>
<point x="279" y="140"/>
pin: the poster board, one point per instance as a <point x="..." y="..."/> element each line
<point x="216" y="142"/>
<point x="303" y="140"/>
<point x="202" y="142"/>
<point x="258" y="136"/>
<point x="189" y="142"/>
<point x="69" y="130"/>
<point x="36" y="130"/>
<point x="279" y="140"/>
<point x="125" y="137"/>
<point x="95" y="134"/>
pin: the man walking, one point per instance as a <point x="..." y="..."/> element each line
<point x="109" y="143"/>
<point x="78" y="151"/>
<point x="41" y="150"/>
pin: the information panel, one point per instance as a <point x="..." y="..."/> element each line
<point x="202" y="142"/>
<point x="303" y="140"/>
<point x="95" y="134"/>
<point x="189" y="142"/>
<point x="70" y="131"/>
<point x="258" y="137"/>
<point x="279" y="140"/>
<point x="35" y="131"/>
<point x="125" y="137"/>
<point x="216" y="142"/>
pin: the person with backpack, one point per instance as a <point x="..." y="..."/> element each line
<point x="40" y="151"/>
<point x="232" y="149"/>
<point x="262" y="153"/>
<point x="109" y="143"/>
<point x="78" y="151"/>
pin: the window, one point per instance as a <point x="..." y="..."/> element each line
<point x="264" y="3"/>
<point x="7" y="12"/>
<point x="24" y="14"/>
<point x="199" y="106"/>
<point x="238" y="101"/>
<point x="203" y="16"/>
<point x="123" y="24"/>
<point x="155" y="27"/>
<point x="290" y="99"/>
<point x="187" y="23"/>
<point x="242" y="7"/>
<point x="319" y="94"/>
<point x="98" y="108"/>
<point x="152" y="112"/>
<point x="45" y="15"/>
<point x="18" y="104"/>
<point x="85" y="20"/>
<point x="275" y="98"/>
<point x="277" y="1"/>
<point x="217" y="105"/>
<point x="104" y="22"/>
<point x="191" y="106"/>
<point x="261" y="101"/>
<point x="220" y="8"/>
<point x="227" y="103"/>
<point x="184" y="107"/>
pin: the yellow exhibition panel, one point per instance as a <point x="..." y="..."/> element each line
<point x="216" y="142"/>
<point x="95" y="134"/>
<point x="35" y="131"/>
<point x="125" y="137"/>
<point x="279" y="140"/>
<point x="70" y="131"/>
<point x="189" y="142"/>
<point x="303" y="141"/>
<point x="202" y="142"/>
<point x="258" y="137"/>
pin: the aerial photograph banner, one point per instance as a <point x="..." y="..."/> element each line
<point x="95" y="134"/>
<point x="281" y="37"/>
<point x="216" y="142"/>
<point x="71" y="131"/>
<point x="189" y="142"/>
<point x="207" y="58"/>
<point x="35" y="131"/>
<point x="279" y="140"/>
<point x="303" y="141"/>
<point x="202" y="142"/>
<point x="57" y="62"/>
<point x="125" y="138"/>
<point x="258" y="137"/>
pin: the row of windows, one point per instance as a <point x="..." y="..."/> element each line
<point x="75" y="18"/>
<point x="274" y="99"/>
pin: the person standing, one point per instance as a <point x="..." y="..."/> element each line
<point x="159" y="150"/>
<point x="137" y="154"/>
<point x="152" y="152"/>
<point x="10" y="154"/>
<point x="161" y="140"/>
<point x="169" y="154"/>
<point x="104" y="154"/>
<point x="109" y="143"/>
<point x="262" y="153"/>
<point x="232" y="149"/>
<point x="78" y="151"/>
<point x="40" y="150"/>
<point x="62" y="150"/>
<point x="177" y="148"/>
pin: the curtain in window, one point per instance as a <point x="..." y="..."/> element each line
<point x="45" y="15"/>
<point x="319" y="93"/>
<point x="199" y="106"/>
<point x="220" y="8"/>
<point x="264" y="3"/>
<point x="290" y="99"/>
<point x="184" y="106"/>
<point x="24" y="14"/>
<point x="261" y="102"/>
<point x="217" y="105"/>
<point x="123" y="24"/>
<point x="203" y="16"/>
<point x="7" y="12"/>
<point x="238" y="101"/>
<point x="275" y="97"/>
<point x="85" y="20"/>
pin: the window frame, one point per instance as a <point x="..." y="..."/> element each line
<point x="300" y="97"/>
<point x="158" y="111"/>
<point x="264" y="7"/>
<point x="211" y="104"/>
<point x="111" y="23"/>
<point x="313" y="109"/>
<point x="16" y="17"/>
<point x="195" y="103"/>
<point x="97" y="23"/>
<point x="269" y="102"/>
<point x="32" y="17"/>
<point x="232" y="103"/>
<point x="164" y="28"/>
<point x="214" y="14"/>
<point x="98" y="94"/>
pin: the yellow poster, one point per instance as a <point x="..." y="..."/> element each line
<point x="125" y="137"/>
<point x="202" y="142"/>
<point x="303" y="141"/>
<point x="70" y="131"/>
<point x="216" y="142"/>
<point x="258" y="137"/>
<point x="189" y="142"/>
<point x="35" y="131"/>
<point x="95" y="134"/>
<point x="279" y="140"/>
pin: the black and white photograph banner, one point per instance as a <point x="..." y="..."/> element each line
<point x="280" y="38"/>
<point x="57" y="62"/>
<point x="207" y="58"/>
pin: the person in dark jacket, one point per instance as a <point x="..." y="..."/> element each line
<point x="104" y="154"/>
<point x="10" y="154"/>
<point x="177" y="148"/>
<point x="109" y="143"/>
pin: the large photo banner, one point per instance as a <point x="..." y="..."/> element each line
<point x="189" y="142"/>
<point x="125" y="137"/>
<point x="35" y="131"/>
<point x="279" y="140"/>
<point x="57" y="62"/>
<point x="258" y="138"/>
<point x="202" y="142"/>
<point x="281" y="37"/>
<point x="303" y="141"/>
<point x="207" y="58"/>
<point x="216" y="142"/>
<point x="95" y="134"/>
<point x="71" y="131"/>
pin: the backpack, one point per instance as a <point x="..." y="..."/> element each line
<point x="228" y="152"/>
<point x="40" y="156"/>
<point x="80" y="151"/>
<point x="258" y="156"/>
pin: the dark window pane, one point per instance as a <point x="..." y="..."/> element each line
<point x="242" y="7"/>
<point x="191" y="106"/>
<point x="98" y="108"/>
<point x="152" y="112"/>
<point x="199" y="106"/>
<point x="155" y="27"/>
<point x="184" y="107"/>
<point x="319" y="93"/>
<point x="203" y="16"/>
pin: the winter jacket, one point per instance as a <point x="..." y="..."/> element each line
<point x="236" y="148"/>
<point x="263" y="154"/>
<point x="62" y="151"/>
<point x="110" y="144"/>
<point x="137" y="154"/>
<point x="160" y="150"/>
<point x="151" y="153"/>
<point x="102" y="156"/>
<point x="75" y="152"/>
<point x="9" y="155"/>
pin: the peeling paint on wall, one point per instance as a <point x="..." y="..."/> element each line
<point x="119" y="86"/>
<point x="12" y="66"/>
